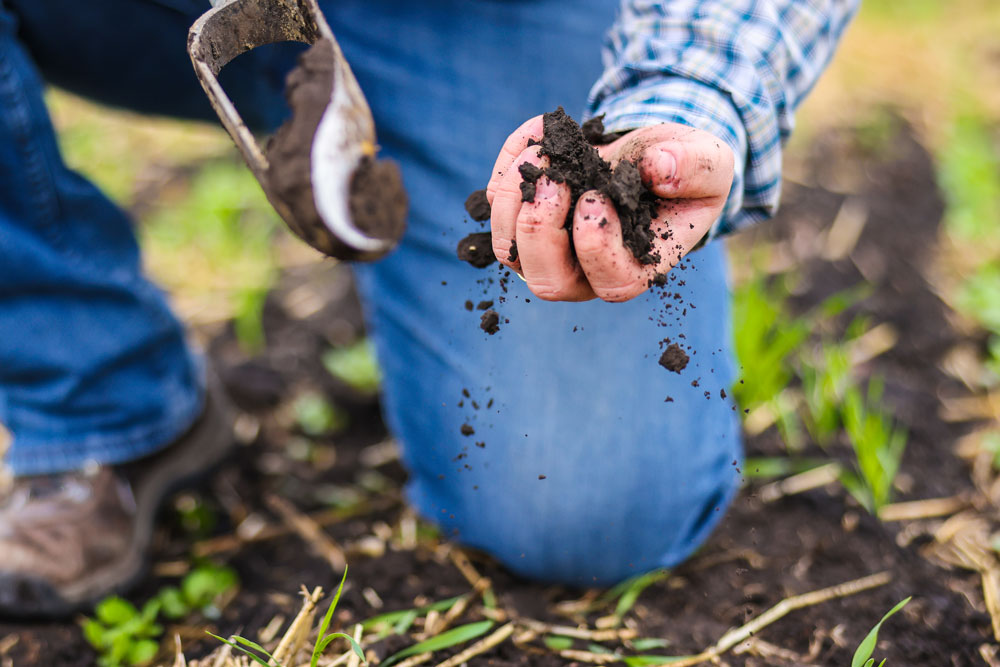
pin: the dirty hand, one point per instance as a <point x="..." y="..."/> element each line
<point x="689" y="169"/>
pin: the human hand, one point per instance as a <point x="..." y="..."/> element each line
<point x="690" y="170"/>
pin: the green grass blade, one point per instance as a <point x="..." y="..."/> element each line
<point x="255" y="646"/>
<point x="651" y="660"/>
<point x="635" y="589"/>
<point x="326" y="641"/>
<point x="253" y="656"/>
<point x="327" y="619"/>
<point x="459" y="635"/>
<point x="393" y="617"/>
<point x="558" y="642"/>
<point x="867" y="646"/>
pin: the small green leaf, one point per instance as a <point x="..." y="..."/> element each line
<point x="253" y="656"/>
<point x="172" y="603"/>
<point x="115" y="611"/>
<point x="557" y="642"/>
<point x="393" y="617"/>
<point x="319" y="646"/>
<point x="647" y="643"/>
<point x="405" y="621"/>
<point x="204" y="584"/>
<point x="95" y="634"/>
<point x="326" y="641"/>
<point x="142" y="652"/>
<point x="636" y="586"/>
<point x="651" y="660"/>
<point x="459" y="635"/>
<point x="355" y="365"/>
<point x="867" y="646"/>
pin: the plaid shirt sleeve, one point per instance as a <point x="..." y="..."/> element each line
<point x="735" y="68"/>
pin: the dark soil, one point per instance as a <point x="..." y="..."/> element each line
<point x="759" y="554"/>
<point x="477" y="249"/>
<point x="674" y="358"/>
<point x="478" y="206"/>
<point x="574" y="160"/>
<point x="490" y="322"/>
<point x="377" y="199"/>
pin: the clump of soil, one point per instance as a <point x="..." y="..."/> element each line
<point x="490" y="322"/>
<point x="377" y="200"/>
<point x="477" y="249"/>
<point x="675" y="359"/>
<point x="478" y="206"/>
<point x="574" y="160"/>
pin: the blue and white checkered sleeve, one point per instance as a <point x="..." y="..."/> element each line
<point x="735" y="68"/>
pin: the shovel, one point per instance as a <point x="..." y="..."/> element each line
<point x="324" y="182"/>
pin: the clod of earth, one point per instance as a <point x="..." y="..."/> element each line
<point x="467" y="429"/>
<point x="674" y="358"/>
<point x="477" y="249"/>
<point x="478" y="206"/>
<point x="574" y="160"/>
<point x="490" y="322"/>
<point x="376" y="198"/>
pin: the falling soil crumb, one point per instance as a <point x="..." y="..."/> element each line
<point x="478" y="206"/>
<point x="722" y="393"/>
<point x="469" y="305"/>
<point x="467" y="429"/>
<point x="490" y="322"/>
<point x="512" y="253"/>
<point x="484" y="305"/>
<point x="541" y="477"/>
<point x="481" y="445"/>
<point x="477" y="249"/>
<point x="668" y="399"/>
<point x="674" y="358"/>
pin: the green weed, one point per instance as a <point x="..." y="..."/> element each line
<point x="969" y="173"/>
<point x="316" y="416"/>
<point x="824" y="383"/>
<point x="355" y="365"/>
<point x="124" y="635"/>
<point x="447" y="639"/>
<point x="863" y="654"/>
<point x="765" y="337"/>
<point x="878" y="445"/>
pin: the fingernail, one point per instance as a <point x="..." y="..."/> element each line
<point x="546" y="189"/>
<point x="666" y="163"/>
<point x="591" y="206"/>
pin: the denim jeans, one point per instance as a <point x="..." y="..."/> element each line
<point x="584" y="474"/>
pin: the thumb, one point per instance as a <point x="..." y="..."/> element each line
<point x="687" y="169"/>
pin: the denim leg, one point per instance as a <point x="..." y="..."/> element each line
<point x="585" y="474"/>
<point x="93" y="366"/>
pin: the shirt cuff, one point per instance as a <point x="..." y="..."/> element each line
<point x="680" y="100"/>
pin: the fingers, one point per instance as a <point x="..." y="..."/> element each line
<point x="612" y="271"/>
<point x="543" y="246"/>
<point x="507" y="205"/>
<point x="512" y="148"/>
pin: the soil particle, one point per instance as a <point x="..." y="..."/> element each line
<point x="478" y="206"/>
<point x="469" y="305"/>
<point x="484" y="305"/>
<point x="467" y="429"/>
<point x="674" y="358"/>
<point x="377" y="199"/>
<point x="477" y="249"/>
<point x="490" y="322"/>
<point x="512" y="253"/>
